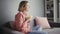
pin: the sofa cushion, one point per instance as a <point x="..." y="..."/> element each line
<point x="42" y="21"/>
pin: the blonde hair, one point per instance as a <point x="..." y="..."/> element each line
<point x="22" y="4"/>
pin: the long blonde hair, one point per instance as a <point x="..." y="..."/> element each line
<point x="22" y="4"/>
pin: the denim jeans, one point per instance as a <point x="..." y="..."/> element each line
<point x="35" y="30"/>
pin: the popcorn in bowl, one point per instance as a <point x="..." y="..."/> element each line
<point x="28" y="17"/>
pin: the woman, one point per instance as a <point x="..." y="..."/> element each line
<point x="22" y="23"/>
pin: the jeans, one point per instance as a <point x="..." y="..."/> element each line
<point x="35" y="30"/>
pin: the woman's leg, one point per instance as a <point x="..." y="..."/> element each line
<point x="37" y="28"/>
<point x="37" y="32"/>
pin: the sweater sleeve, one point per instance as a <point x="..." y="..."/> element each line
<point x="18" y="21"/>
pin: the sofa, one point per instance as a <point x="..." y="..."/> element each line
<point x="6" y="29"/>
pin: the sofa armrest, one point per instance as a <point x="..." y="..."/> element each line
<point x="53" y="24"/>
<point x="10" y="31"/>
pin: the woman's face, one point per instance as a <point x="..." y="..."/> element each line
<point x="27" y="7"/>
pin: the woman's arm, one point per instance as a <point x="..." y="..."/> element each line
<point x="22" y="24"/>
<point x="18" y="22"/>
<point x="26" y="26"/>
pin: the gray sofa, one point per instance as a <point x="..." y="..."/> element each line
<point x="6" y="29"/>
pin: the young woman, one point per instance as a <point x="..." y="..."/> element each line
<point x="22" y="23"/>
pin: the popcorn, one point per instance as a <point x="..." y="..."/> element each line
<point x="28" y="17"/>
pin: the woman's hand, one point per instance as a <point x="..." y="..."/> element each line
<point x="26" y="26"/>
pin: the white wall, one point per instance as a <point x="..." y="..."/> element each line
<point x="9" y="9"/>
<point x="59" y="12"/>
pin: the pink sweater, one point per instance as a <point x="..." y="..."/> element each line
<point x="20" y="23"/>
